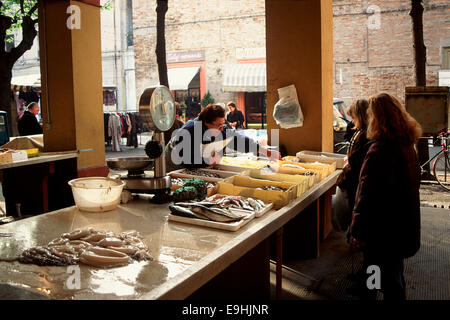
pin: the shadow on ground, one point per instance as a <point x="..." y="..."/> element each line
<point x="325" y="278"/>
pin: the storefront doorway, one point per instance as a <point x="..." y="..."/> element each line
<point x="255" y="110"/>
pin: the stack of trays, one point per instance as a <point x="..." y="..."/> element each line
<point x="204" y="174"/>
<point x="323" y="157"/>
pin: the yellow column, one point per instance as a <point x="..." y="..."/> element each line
<point x="71" y="68"/>
<point x="299" y="43"/>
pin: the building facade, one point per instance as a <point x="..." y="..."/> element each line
<point x="117" y="59"/>
<point x="373" y="48"/>
<point x="206" y="42"/>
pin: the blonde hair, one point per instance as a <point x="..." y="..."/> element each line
<point x="388" y="119"/>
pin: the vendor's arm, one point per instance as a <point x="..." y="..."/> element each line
<point x="241" y="119"/>
<point x="250" y="145"/>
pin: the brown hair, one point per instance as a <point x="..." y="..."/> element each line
<point x="358" y="111"/>
<point x="211" y="112"/>
<point x="388" y="119"/>
<point x="231" y="104"/>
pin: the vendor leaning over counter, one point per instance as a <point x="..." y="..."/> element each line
<point x="188" y="148"/>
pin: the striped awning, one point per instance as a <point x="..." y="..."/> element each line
<point x="180" y="78"/>
<point x="246" y="77"/>
<point x="25" y="82"/>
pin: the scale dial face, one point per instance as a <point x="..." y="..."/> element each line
<point x="157" y="108"/>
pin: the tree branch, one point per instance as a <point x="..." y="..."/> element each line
<point x="29" y="33"/>
<point x="21" y="7"/>
<point x="32" y="10"/>
<point x="5" y="24"/>
<point x="161" y="9"/>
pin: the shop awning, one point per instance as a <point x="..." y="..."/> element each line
<point x="34" y="81"/>
<point x="246" y="77"/>
<point x="30" y="80"/>
<point x="180" y="78"/>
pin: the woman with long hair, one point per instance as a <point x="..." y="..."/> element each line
<point x="349" y="178"/>
<point x="386" y="216"/>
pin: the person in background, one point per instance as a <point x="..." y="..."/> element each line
<point x="386" y="216"/>
<point x="235" y="117"/>
<point x="195" y="109"/>
<point x="348" y="180"/>
<point x="28" y="123"/>
<point x="350" y="130"/>
<point x="211" y="124"/>
<point x="177" y="124"/>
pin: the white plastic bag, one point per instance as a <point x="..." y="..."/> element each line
<point x="287" y="111"/>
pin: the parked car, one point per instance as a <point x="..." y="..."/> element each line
<point x="340" y="122"/>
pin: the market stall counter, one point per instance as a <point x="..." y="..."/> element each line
<point x="38" y="184"/>
<point x="189" y="261"/>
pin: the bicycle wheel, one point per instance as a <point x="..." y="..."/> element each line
<point x="441" y="170"/>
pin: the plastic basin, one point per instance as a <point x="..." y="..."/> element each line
<point x="96" y="194"/>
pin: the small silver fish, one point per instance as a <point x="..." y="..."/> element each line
<point x="186" y="212"/>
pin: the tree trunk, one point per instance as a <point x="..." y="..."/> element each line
<point x="161" y="9"/>
<point x="420" y="51"/>
<point x="8" y="59"/>
<point x="5" y="92"/>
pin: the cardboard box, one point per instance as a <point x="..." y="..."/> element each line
<point x="6" y="157"/>
<point x="287" y="167"/>
<point x="247" y="187"/>
<point x="31" y="152"/>
<point x="341" y="159"/>
<point x="303" y="182"/>
<point x="310" y="163"/>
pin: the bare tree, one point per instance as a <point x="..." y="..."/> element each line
<point x="420" y="51"/>
<point x="161" y="9"/>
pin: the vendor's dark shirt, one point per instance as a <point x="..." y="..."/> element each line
<point x="239" y="141"/>
<point x="28" y="124"/>
<point x="177" y="124"/>
<point x="237" y="117"/>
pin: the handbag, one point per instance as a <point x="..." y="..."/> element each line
<point x="341" y="211"/>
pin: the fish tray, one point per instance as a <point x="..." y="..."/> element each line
<point x="209" y="191"/>
<point x="321" y="170"/>
<point x="258" y="214"/>
<point x="229" y="226"/>
<point x="247" y="187"/>
<point x="229" y="168"/>
<point x="303" y="182"/>
<point x="181" y="173"/>
<point x="324" y="157"/>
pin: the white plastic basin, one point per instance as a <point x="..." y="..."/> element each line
<point x="96" y="194"/>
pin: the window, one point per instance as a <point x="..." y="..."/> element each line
<point x="446" y="58"/>
<point x="129" y="23"/>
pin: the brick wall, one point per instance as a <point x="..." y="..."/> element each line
<point x="366" y="60"/>
<point x="370" y="60"/>
<point x="216" y="26"/>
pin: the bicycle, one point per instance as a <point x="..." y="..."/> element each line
<point x="441" y="165"/>
<point x="342" y="146"/>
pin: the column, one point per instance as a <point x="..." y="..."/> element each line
<point x="71" y="68"/>
<point x="299" y="44"/>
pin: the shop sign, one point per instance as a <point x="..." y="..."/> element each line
<point x="250" y="53"/>
<point x="185" y="56"/>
